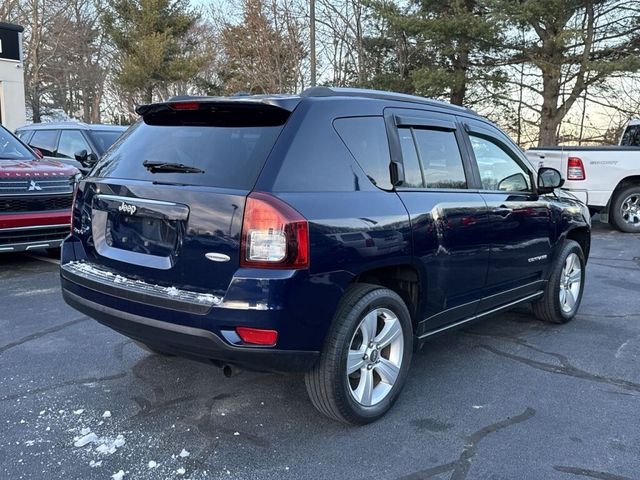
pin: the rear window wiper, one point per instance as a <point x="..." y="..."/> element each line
<point x="170" y="167"/>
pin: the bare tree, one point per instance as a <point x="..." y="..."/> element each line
<point x="574" y="46"/>
<point x="43" y="21"/>
<point x="264" y="53"/>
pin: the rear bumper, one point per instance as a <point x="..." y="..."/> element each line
<point x="195" y="343"/>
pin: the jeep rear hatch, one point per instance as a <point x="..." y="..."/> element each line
<point x="165" y="205"/>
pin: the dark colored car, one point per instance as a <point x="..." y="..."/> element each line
<point x="331" y="232"/>
<point x="35" y="197"/>
<point x="78" y="144"/>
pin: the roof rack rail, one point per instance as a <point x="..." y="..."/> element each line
<point x="377" y="94"/>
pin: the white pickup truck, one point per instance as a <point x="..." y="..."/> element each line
<point x="607" y="179"/>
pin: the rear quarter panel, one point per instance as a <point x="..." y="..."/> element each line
<point x="330" y="189"/>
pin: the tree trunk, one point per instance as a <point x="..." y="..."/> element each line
<point x="148" y="94"/>
<point x="95" y="109"/>
<point x="460" y="70"/>
<point x="35" y="105"/>
<point x="549" y="114"/>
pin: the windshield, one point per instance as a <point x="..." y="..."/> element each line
<point x="208" y="152"/>
<point x="103" y="139"/>
<point x="11" y="148"/>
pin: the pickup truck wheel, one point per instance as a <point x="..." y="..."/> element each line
<point x="625" y="210"/>
<point x="563" y="294"/>
<point x="366" y="356"/>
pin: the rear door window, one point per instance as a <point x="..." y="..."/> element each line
<point x="440" y="158"/>
<point x="71" y="142"/>
<point x="46" y="141"/>
<point x="366" y="139"/>
<point x="431" y="159"/>
<point x="230" y="153"/>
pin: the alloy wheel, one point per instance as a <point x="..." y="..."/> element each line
<point x="630" y="209"/>
<point x="375" y="357"/>
<point x="570" y="282"/>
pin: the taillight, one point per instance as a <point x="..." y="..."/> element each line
<point x="274" y="235"/>
<point x="184" y="106"/>
<point x="575" y="169"/>
<point x="257" y="336"/>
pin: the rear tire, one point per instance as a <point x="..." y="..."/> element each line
<point x="563" y="294"/>
<point x="625" y="210"/>
<point x="366" y="356"/>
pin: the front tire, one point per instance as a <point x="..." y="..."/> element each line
<point x="563" y="294"/>
<point x="625" y="210"/>
<point x="366" y="356"/>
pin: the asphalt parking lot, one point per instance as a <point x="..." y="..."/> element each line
<point x="508" y="398"/>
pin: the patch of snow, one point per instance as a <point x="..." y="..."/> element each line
<point x="106" y="414"/>
<point x="119" y="441"/>
<point x="108" y="446"/>
<point x="172" y="291"/>
<point x="184" y="453"/>
<point x="85" y="440"/>
<point x="79" y="411"/>
<point x="85" y="431"/>
<point x="94" y="464"/>
<point x="181" y="471"/>
<point x="236" y="433"/>
<point x="152" y="464"/>
<point x="208" y="298"/>
<point x="118" y="475"/>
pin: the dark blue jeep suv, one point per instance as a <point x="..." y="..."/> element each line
<point x="330" y="232"/>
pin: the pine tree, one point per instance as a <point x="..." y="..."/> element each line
<point x="452" y="37"/>
<point x="153" y="42"/>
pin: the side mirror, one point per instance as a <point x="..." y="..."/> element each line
<point x="86" y="159"/>
<point x="548" y="180"/>
<point x="81" y="156"/>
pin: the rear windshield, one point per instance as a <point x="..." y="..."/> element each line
<point x="104" y="139"/>
<point x="229" y="150"/>
<point x="11" y="148"/>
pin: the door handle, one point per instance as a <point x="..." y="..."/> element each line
<point x="502" y="211"/>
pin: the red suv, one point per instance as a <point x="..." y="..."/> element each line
<point x="35" y="197"/>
